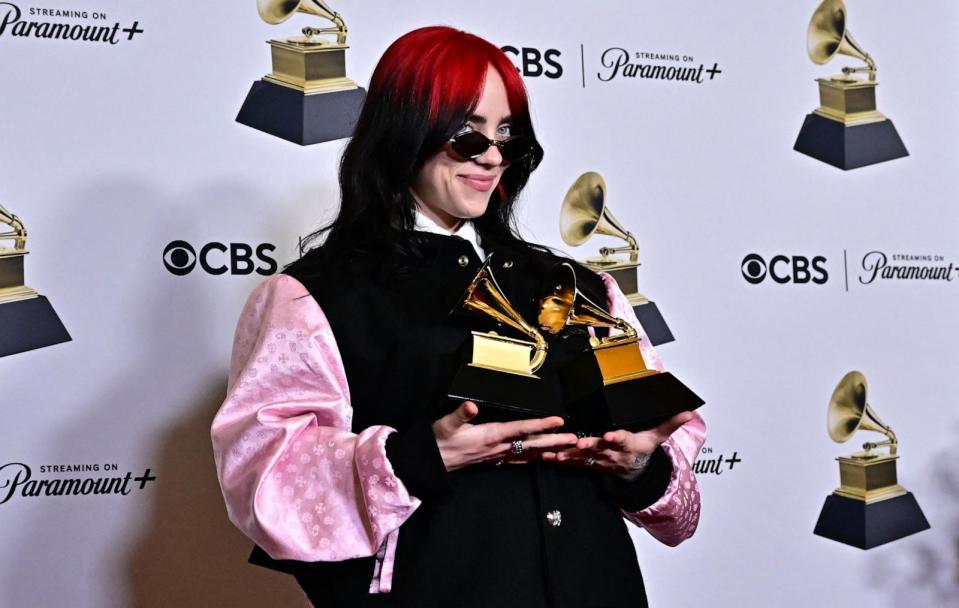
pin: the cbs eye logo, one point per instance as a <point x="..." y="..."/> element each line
<point x="783" y="269"/>
<point x="180" y="258"/>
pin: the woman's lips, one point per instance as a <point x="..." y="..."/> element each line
<point x="482" y="183"/>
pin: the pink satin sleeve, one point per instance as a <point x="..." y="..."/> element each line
<point x="295" y="479"/>
<point x="674" y="517"/>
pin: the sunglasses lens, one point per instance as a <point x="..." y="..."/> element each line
<point x="470" y="145"/>
<point x="515" y="149"/>
<point x="474" y="143"/>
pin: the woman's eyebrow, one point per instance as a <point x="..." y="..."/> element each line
<point x="481" y="120"/>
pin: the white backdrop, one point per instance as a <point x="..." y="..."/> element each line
<point x="110" y="152"/>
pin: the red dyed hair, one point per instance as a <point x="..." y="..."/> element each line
<point x="441" y="68"/>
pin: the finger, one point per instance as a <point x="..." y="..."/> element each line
<point x="588" y="443"/>
<point x="669" y="427"/>
<point x="523" y="428"/>
<point x="574" y="455"/>
<point x="584" y="458"/>
<point x="466" y="411"/>
<point x="460" y="416"/>
<point x="617" y="438"/>
<point x="549" y="440"/>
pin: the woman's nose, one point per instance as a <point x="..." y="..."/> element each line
<point x="491" y="157"/>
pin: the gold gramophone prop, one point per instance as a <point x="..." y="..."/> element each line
<point x="500" y="376"/>
<point x="609" y="386"/>
<point x="307" y="98"/>
<point x="583" y="214"/>
<point x="27" y="320"/>
<point x="869" y="508"/>
<point x="846" y="130"/>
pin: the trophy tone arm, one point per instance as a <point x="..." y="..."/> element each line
<point x="339" y="25"/>
<point x="870" y="67"/>
<point x="632" y="248"/>
<point x="19" y="232"/>
<point x="892" y="442"/>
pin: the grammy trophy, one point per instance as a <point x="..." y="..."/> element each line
<point x="846" y="130"/>
<point x="307" y="98"/>
<point x="583" y="214"/>
<point x="27" y="320"/>
<point x="869" y="508"/>
<point x="500" y="376"/>
<point x="609" y="386"/>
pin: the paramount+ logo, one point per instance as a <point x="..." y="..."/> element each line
<point x="181" y="258"/>
<point x="782" y="269"/>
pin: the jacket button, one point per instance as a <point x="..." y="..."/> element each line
<point x="463" y="261"/>
<point x="555" y="518"/>
<point x="508" y="264"/>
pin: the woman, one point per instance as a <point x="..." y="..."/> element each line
<point x="336" y="448"/>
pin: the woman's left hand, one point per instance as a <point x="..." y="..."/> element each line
<point x="621" y="453"/>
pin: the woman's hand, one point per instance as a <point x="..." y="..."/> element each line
<point x="462" y="444"/>
<point x="618" y="452"/>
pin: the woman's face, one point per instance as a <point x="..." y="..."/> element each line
<point x="449" y="188"/>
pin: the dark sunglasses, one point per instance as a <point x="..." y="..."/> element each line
<point x="471" y="144"/>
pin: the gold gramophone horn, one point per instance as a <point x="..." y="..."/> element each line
<point x="849" y="412"/>
<point x="485" y="297"/>
<point x="278" y="11"/>
<point x="827" y="36"/>
<point x="584" y="213"/>
<point x="562" y="304"/>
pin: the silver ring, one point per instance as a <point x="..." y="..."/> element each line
<point x="516" y="447"/>
<point x="590" y="461"/>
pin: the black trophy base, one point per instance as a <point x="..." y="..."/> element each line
<point x="633" y="405"/>
<point x="301" y="119"/>
<point x="29" y="324"/>
<point x="849" y="147"/>
<point x="863" y="525"/>
<point x="653" y="323"/>
<point x="502" y="396"/>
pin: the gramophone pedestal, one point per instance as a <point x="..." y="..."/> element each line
<point x="653" y="323"/>
<point x="302" y="119"/>
<point x="645" y="309"/>
<point x="869" y="524"/>
<point x="503" y="396"/>
<point x="849" y="147"/>
<point x="29" y="324"/>
<point x="634" y="405"/>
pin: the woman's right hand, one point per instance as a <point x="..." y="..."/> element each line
<point x="462" y="444"/>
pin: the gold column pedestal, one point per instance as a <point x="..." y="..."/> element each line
<point x="849" y="101"/>
<point x="621" y="360"/>
<point x="502" y="354"/>
<point x="12" y="286"/>
<point x="625" y="274"/>
<point x="868" y="477"/>
<point x="312" y="68"/>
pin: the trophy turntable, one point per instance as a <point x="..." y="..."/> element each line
<point x="609" y="386"/>
<point x="846" y="130"/>
<point x="500" y="376"/>
<point x="583" y="214"/>
<point x="27" y="320"/>
<point x="307" y="98"/>
<point x="869" y="508"/>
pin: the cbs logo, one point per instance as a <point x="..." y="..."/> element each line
<point x="785" y="269"/>
<point x="180" y="258"/>
<point x="535" y="62"/>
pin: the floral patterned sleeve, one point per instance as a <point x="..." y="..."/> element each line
<point x="674" y="517"/>
<point x="295" y="479"/>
